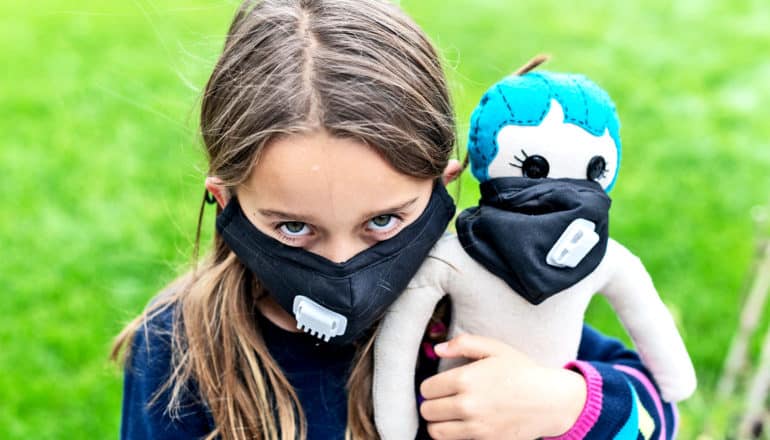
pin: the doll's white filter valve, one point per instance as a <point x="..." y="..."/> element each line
<point x="575" y="243"/>
<point x="317" y="320"/>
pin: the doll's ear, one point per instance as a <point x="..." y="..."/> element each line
<point x="532" y="64"/>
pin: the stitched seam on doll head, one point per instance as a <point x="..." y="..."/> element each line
<point x="475" y="167"/>
<point x="564" y="106"/>
<point x="585" y="104"/>
<point x="551" y="93"/>
<point x="505" y="101"/>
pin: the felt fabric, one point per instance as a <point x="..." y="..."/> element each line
<point x="484" y="304"/>
<point x="525" y="100"/>
<point x="517" y="222"/>
<point x="359" y="289"/>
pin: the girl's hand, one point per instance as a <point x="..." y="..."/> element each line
<point x="501" y="394"/>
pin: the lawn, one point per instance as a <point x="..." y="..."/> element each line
<point x="98" y="103"/>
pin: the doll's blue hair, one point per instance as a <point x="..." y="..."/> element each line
<point x="526" y="100"/>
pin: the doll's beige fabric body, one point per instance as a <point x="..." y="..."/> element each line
<point x="483" y="304"/>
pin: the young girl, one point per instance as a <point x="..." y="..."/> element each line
<point x="329" y="128"/>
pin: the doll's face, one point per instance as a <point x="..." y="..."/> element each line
<point x="554" y="149"/>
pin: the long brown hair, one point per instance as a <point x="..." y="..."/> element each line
<point x="358" y="69"/>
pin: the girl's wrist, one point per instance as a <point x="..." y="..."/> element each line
<point x="580" y="402"/>
<point x="570" y="394"/>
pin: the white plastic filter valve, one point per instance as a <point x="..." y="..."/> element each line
<point x="574" y="244"/>
<point x="317" y="320"/>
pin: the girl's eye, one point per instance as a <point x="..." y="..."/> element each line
<point x="382" y="222"/>
<point x="294" y="229"/>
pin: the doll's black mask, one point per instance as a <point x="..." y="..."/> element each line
<point x="337" y="302"/>
<point x="523" y="226"/>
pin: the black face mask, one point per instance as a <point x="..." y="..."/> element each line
<point x="337" y="301"/>
<point x="539" y="235"/>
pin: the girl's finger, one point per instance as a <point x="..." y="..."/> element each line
<point x="444" y="409"/>
<point x="471" y="347"/>
<point x="454" y="430"/>
<point x="443" y="384"/>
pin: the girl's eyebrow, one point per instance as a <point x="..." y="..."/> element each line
<point x="285" y="215"/>
<point x="390" y="210"/>
<point x="309" y="218"/>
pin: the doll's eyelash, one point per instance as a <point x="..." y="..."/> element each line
<point x="519" y="159"/>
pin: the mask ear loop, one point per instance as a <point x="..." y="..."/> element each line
<point x="208" y="199"/>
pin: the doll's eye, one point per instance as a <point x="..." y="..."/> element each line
<point x="535" y="167"/>
<point x="597" y="168"/>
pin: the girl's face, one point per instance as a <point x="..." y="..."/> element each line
<point x="331" y="196"/>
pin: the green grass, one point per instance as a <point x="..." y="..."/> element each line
<point x="104" y="171"/>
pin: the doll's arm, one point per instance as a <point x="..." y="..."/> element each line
<point x="632" y="294"/>
<point x="621" y="397"/>
<point x="395" y="358"/>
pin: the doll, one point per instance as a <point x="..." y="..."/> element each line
<point x="525" y="263"/>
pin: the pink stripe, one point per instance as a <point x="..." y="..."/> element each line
<point x="593" y="406"/>
<point x="651" y="390"/>
<point x="427" y="350"/>
<point x="675" y="428"/>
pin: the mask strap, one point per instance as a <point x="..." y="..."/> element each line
<point x="209" y="198"/>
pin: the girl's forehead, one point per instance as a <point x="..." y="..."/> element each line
<point x="327" y="177"/>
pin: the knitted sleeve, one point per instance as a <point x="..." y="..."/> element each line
<point x="147" y="369"/>
<point x="622" y="401"/>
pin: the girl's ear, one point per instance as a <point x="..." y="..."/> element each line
<point x="216" y="187"/>
<point x="452" y="170"/>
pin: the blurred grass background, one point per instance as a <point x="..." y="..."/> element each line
<point x="100" y="158"/>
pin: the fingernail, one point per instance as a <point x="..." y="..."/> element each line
<point x="440" y="348"/>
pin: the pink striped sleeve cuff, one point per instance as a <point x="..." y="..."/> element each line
<point x="593" y="406"/>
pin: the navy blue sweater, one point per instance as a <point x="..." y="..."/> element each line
<point x="622" y="402"/>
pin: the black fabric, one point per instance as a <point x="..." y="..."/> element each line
<point x="318" y="373"/>
<point x="360" y="288"/>
<point x="518" y="221"/>
<point x="149" y="367"/>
